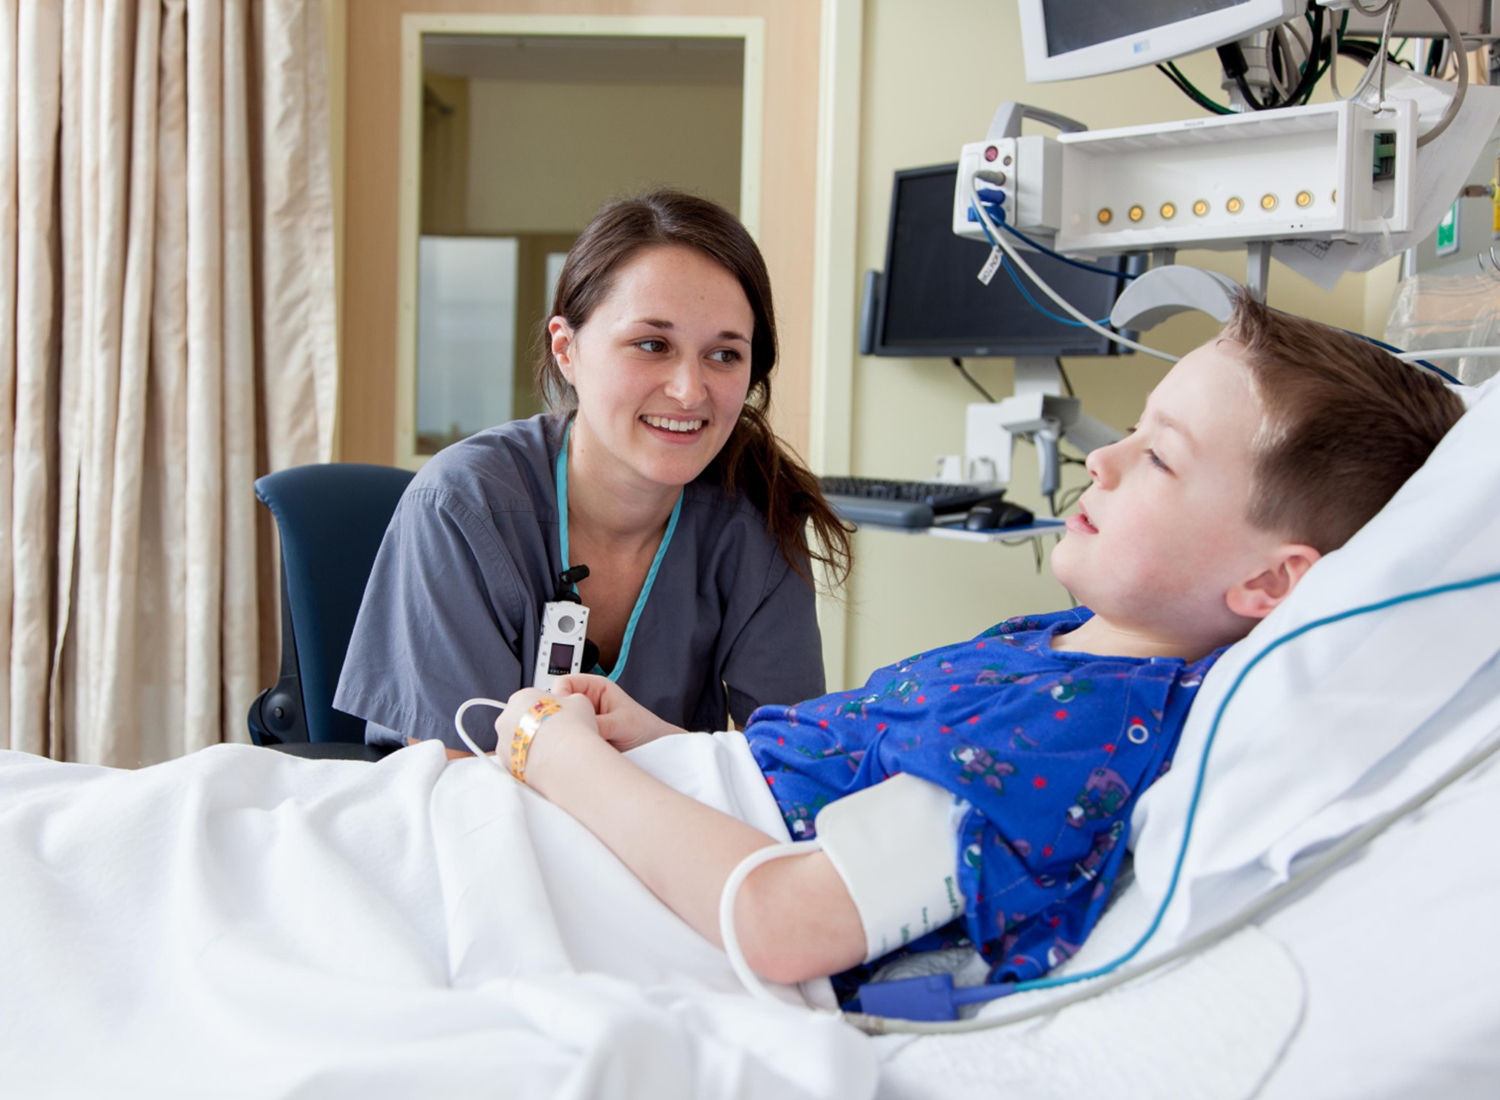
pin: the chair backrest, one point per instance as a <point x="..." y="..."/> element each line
<point x="331" y="518"/>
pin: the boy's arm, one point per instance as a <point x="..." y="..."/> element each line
<point x="793" y="917"/>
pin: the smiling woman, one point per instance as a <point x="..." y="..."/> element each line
<point x="657" y="469"/>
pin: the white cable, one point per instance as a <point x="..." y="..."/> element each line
<point x="458" y="724"/>
<point x="1376" y="70"/>
<point x="1385" y="45"/>
<point x="998" y="235"/>
<point x="1445" y="353"/>
<point x="1377" y="63"/>
<point x="1012" y="253"/>
<point x="1456" y="48"/>
<point x="1281" y="83"/>
<point x="1333" y="60"/>
<point x="749" y="978"/>
<point x="1295" y="29"/>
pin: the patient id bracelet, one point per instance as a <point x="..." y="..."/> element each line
<point x="531" y="721"/>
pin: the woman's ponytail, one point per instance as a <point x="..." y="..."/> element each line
<point x="757" y="466"/>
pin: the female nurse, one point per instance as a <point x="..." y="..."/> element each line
<point x="657" y="470"/>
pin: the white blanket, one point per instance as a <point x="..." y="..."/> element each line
<point x="1211" y="1029"/>
<point x="243" y="923"/>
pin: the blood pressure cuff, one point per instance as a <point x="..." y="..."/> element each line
<point x="894" y="845"/>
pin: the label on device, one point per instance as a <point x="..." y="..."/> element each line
<point x="992" y="265"/>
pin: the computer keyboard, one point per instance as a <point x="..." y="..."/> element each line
<point x="894" y="503"/>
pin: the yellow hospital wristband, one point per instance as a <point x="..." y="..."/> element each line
<point x="520" y="742"/>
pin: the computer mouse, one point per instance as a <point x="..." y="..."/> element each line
<point x="999" y="514"/>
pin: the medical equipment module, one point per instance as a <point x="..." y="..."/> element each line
<point x="564" y="628"/>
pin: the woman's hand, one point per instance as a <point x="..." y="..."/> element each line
<point x="623" y="722"/>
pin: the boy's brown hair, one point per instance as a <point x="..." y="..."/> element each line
<point x="1345" y="424"/>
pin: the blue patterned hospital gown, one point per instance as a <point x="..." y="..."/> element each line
<point x="1050" y="749"/>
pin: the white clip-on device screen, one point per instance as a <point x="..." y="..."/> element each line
<point x="565" y="620"/>
<point x="559" y="652"/>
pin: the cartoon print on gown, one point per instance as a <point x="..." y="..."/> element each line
<point x="1047" y="751"/>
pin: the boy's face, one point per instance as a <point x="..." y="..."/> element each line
<point x="1161" y="536"/>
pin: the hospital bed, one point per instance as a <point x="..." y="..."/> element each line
<point x="1376" y="977"/>
<point x="240" y="922"/>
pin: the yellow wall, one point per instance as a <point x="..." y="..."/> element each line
<point x="529" y="161"/>
<point x="933" y="74"/>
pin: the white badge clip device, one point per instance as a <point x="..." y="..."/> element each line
<point x="565" y="620"/>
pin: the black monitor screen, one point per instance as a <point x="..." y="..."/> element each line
<point x="560" y="660"/>
<point x="931" y="303"/>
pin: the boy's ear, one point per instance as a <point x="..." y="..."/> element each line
<point x="1260" y="595"/>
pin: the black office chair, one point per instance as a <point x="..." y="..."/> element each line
<point x="331" y="518"/>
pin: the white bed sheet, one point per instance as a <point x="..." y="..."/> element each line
<point x="244" y="923"/>
<point x="1377" y="984"/>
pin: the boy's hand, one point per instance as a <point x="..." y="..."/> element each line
<point x="573" y="724"/>
<point x="623" y="722"/>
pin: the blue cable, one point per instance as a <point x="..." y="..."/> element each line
<point x="1043" y="310"/>
<point x="997" y="213"/>
<point x="1015" y="278"/>
<point x="1394" y="350"/>
<point x="1444" y="375"/>
<point x="935" y="998"/>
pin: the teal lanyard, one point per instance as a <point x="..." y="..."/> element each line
<point x="562" y="538"/>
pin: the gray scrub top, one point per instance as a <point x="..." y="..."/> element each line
<point x="453" y="607"/>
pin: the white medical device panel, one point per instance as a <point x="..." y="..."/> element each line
<point x="1334" y="171"/>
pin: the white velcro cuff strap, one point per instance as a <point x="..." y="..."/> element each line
<point x="895" y="846"/>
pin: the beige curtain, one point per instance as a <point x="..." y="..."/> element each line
<point x="167" y="334"/>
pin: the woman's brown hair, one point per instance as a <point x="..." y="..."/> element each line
<point x="752" y="462"/>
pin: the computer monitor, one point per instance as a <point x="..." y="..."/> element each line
<point x="1063" y="39"/>
<point x="930" y="302"/>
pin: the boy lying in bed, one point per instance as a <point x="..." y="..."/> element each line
<point x="1258" y="453"/>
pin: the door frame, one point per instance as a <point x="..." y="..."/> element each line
<point x="835" y="277"/>
<point x="751" y="30"/>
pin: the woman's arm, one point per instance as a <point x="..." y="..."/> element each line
<point x="793" y="917"/>
<point x="777" y="656"/>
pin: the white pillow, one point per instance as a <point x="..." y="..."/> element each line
<point x="1349" y="720"/>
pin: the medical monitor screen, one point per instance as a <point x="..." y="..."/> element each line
<point x="1077" y="24"/>
<point x="931" y="303"/>
<point x="1067" y="39"/>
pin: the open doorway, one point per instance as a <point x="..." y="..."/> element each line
<point x="515" y="130"/>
